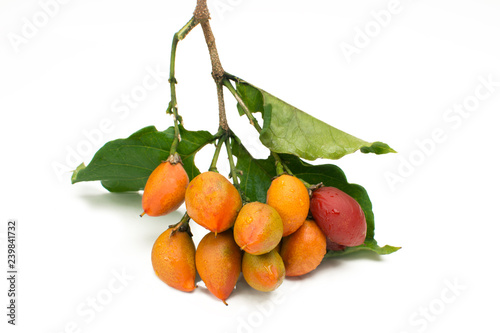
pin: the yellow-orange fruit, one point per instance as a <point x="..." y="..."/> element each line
<point x="173" y="258"/>
<point x="264" y="272"/>
<point x="212" y="201"/>
<point x="165" y="189"/>
<point x="258" y="228"/>
<point x="303" y="250"/>
<point x="218" y="261"/>
<point x="289" y="196"/>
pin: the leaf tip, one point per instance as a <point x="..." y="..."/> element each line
<point x="378" y="148"/>
<point x="74" y="176"/>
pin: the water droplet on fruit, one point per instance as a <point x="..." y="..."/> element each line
<point x="335" y="211"/>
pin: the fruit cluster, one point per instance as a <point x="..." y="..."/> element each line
<point x="286" y="236"/>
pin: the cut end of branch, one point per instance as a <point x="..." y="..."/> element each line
<point x="201" y="13"/>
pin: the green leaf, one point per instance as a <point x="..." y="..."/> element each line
<point x="255" y="175"/>
<point x="367" y="246"/>
<point x="289" y="130"/>
<point x="125" y="164"/>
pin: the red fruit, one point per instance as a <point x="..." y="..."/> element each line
<point x="339" y="216"/>
<point x="332" y="246"/>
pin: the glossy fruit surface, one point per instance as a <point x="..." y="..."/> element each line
<point x="212" y="201"/>
<point x="258" y="228"/>
<point x="165" y="189"/>
<point x="289" y="196"/>
<point x="339" y="216"/>
<point x="264" y="272"/>
<point x="218" y="261"/>
<point x="173" y="259"/>
<point x="303" y="250"/>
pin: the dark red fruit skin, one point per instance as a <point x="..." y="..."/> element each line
<point x="339" y="216"/>
<point x="332" y="246"/>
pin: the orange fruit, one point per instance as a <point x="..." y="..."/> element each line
<point x="264" y="272"/>
<point x="303" y="250"/>
<point x="173" y="258"/>
<point x="258" y="228"/>
<point x="212" y="201"/>
<point x="165" y="189"/>
<point x="218" y="261"/>
<point x="290" y="197"/>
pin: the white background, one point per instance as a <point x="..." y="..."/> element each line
<point x="70" y="75"/>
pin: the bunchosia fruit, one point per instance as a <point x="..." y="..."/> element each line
<point x="289" y="196"/>
<point x="165" y="189"/>
<point x="263" y="272"/>
<point x="218" y="261"/>
<point x="173" y="258"/>
<point x="212" y="201"/>
<point x="258" y="228"/>
<point x="303" y="250"/>
<point x="339" y="216"/>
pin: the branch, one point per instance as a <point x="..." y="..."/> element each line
<point x="202" y="15"/>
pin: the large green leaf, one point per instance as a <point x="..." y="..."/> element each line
<point x="125" y="164"/>
<point x="289" y="130"/>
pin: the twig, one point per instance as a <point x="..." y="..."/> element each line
<point x="172" y="106"/>
<point x="280" y="166"/>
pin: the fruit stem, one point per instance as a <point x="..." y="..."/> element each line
<point x="172" y="106"/>
<point x="182" y="225"/>
<point x="280" y="166"/>
<point x="213" y="165"/>
<point x="234" y="172"/>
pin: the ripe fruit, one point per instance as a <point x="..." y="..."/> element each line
<point x="339" y="216"/>
<point x="332" y="246"/>
<point x="165" y="189"/>
<point x="264" y="272"/>
<point x="289" y="196"/>
<point x="218" y="261"/>
<point x="173" y="258"/>
<point x="258" y="228"/>
<point x="303" y="250"/>
<point x="212" y="201"/>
